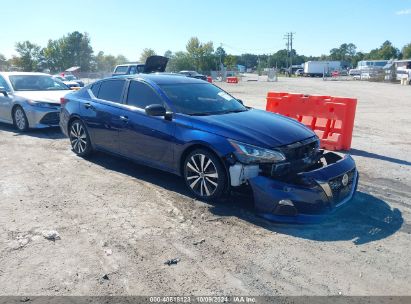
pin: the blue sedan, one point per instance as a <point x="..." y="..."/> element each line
<point x="196" y="130"/>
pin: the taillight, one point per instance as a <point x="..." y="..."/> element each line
<point x="63" y="101"/>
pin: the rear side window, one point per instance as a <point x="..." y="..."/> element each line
<point x="141" y="95"/>
<point x="95" y="88"/>
<point x="121" y="70"/>
<point x="111" y="90"/>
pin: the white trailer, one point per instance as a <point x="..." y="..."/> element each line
<point x="319" y="68"/>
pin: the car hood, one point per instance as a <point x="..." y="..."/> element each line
<point x="155" y="64"/>
<point x="255" y="127"/>
<point x="45" y="96"/>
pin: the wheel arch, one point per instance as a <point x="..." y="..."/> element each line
<point x="73" y="118"/>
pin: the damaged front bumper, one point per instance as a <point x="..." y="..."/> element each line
<point x="311" y="196"/>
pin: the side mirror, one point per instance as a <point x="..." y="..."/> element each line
<point x="240" y="101"/>
<point x="3" y="91"/>
<point x="156" y="110"/>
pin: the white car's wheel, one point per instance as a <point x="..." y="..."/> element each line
<point x="20" y="119"/>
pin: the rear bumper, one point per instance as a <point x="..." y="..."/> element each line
<point x="287" y="202"/>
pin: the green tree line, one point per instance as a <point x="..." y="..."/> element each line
<point x="74" y="49"/>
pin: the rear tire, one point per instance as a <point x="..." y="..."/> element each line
<point x="80" y="139"/>
<point x="20" y="120"/>
<point x="204" y="175"/>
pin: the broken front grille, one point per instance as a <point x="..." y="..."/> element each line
<point x="302" y="149"/>
<point x="299" y="156"/>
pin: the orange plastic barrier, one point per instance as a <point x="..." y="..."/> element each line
<point x="232" y="79"/>
<point x="209" y="79"/>
<point x="331" y="118"/>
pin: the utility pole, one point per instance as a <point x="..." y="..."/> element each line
<point x="287" y="44"/>
<point x="289" y="37"/>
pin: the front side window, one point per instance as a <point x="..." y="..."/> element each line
<point x="36" y="83"/>
<point x="4" y="84"/>
<point x="111" y="90"/>
<point x="133" y="69"/>
<point x="141" y="95"/>
<point x="201" y="99"/>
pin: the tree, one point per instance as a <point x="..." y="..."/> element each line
<point x="120" y="59"/>
<point x="106" y="63"/>
<point x="146" y="53"/>
<point x="201" y="54"/>
<point x="29" y="55"/>
<point x="385" y="51"/>
<point x="180" y="61"/>
<point x="53" y="55"/>
<point x="230" y="61"/>
<point x="346" y="52"/>
<point x="168" y="54"/>
<point x="278" y="59"/>
<point x="388" y="51"/>
<point x="220" y="54"/>
<point x="248" y="60"/>
<point x="406" y="51"/>
<point x="77" y="51"/>
<point x="4" y="65"/>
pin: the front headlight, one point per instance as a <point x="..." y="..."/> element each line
<point x="249" y="154"/>
<point x="38" y="104"/>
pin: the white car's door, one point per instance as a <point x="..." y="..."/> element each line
<point x="5" y="102"/>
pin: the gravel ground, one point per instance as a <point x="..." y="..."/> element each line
<point x="118" y="222"/>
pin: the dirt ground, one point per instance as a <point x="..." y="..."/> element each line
<point x="119" y="222"/>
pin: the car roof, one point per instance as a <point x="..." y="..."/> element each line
<point x="23" y="73"/>
<point x="161" y="78"/>
<point x="129" y="64"/>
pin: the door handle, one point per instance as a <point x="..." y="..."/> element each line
<point x="124" y="118"/>
<point x="88" y="106"/>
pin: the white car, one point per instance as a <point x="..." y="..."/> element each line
<point x="70" y="83"/>
<point x="299" y="72"/>
<point x="30" y="100"/>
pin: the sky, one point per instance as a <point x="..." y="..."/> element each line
<point x="242" y="26"/>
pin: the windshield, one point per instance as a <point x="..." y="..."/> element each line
<point x="36" y="83"/>
<point x="70" y="77"/>
<point x="201" y="99"/>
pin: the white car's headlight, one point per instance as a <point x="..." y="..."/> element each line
<point x="249" y="154"/>
<point x="38" y="103"/>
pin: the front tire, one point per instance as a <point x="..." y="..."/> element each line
<point x="204" y="175"/>
<point x="20" y="119"/>
<point x="79" y="138"/>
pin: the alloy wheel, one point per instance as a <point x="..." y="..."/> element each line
<point x="202" y="175"/>
<point x="20" y="119"/>
<point x="78" y="138"/>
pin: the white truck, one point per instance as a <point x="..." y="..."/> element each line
<point x="318" y="68"/>
<point x="403" y="68"/>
